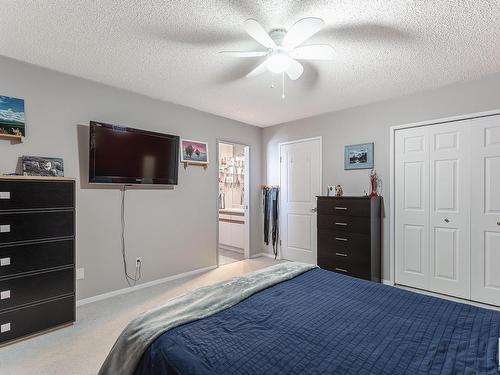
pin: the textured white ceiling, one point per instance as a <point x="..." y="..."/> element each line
<point x="167" y="49"/>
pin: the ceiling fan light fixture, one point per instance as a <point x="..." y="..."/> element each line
<point x="278" y="62"/>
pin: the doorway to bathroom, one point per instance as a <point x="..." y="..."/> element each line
<point x="233" y="202"/>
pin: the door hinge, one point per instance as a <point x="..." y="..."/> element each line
<point x="280" y="242"/>
<point x="281" y="159"/>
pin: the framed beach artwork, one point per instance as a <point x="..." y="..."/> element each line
<point x="12" y="116"/>
<point x="358" y="156"/>
<point x="194" y="151"/>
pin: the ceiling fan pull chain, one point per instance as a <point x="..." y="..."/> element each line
<point x="283" y="85"/>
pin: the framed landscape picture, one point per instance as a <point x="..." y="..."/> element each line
<point x="42" y="166"/>
<point x="12" y="116"/>
<point x="194" y="151"/>
<point x="358" y="156"/>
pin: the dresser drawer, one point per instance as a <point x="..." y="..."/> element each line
<point x="21" y="258"/>
<point x="361" y="270"/>
<point x="344" y="224"/>
<point x="28" y="320"/>
<point x="22" y="290"/>
<point x="35" y="225"/>
<point x="23" y="195"/>
<point x="344" y="207"/>
<point x="348" y="245"/>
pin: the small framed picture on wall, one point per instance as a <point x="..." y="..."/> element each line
<point x="194" y="151"/>
<point x="358" y="156"/>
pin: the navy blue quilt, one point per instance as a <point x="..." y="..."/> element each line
<point x="325" y="323"/>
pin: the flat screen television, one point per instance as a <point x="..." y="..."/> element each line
<point x="121" y="155"/>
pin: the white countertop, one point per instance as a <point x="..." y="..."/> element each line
<point x="235" y="210"/>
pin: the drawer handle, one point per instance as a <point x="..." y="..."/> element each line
<point x="4" y="194"/>
<point x="5" y="228"/>
<point x="4" y="294"/>
<point x="341" y="269"/>
<point x="341" y="254"/>
<point x="341" y="224"/>
<point x="4" y="261"/>
<point x="341" y="208"/>
<point x="5" y="327"/>
<point x="340" y="239"/>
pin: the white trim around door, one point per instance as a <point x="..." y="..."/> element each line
<point x="283" y="192"/>
<point x="247" y="197"/>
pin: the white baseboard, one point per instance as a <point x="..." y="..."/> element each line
<point x="387" y="282"/>
<point x="113" y="293"/>
<point x="267" y="255"/>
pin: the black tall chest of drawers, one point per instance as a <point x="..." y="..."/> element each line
<point x="349" y="236"/>
<point x="37" y="255"/>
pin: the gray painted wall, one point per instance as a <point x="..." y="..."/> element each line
<point x="371" y="123"/>
<point x="174" y="231"/>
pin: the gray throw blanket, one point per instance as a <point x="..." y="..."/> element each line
<point x="143" y="330"/>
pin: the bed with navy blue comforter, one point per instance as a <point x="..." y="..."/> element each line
<point x="322" y="322"/>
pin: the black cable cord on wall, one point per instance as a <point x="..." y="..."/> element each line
<point x="131" y="281"/>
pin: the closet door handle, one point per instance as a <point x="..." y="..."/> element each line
<point x="341" y="208"/>
<point x="446" y="220"/>
<point x="341" y="254"/>
<point x="498" y="223"/>
<point x="5" y="228"/>
<point x="341" y="270"/>
<point x="4" y="194"/>
<point x="340" y="239"/>
<point x="341" y="224"/>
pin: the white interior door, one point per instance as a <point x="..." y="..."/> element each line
<point x="300" y="171"/>
<point x="449" y="221"/>
<point x="412" y="207"/>
<point x="485" y="213"/>
<point x="433" y="208"/>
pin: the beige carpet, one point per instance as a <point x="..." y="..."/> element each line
<point x="229" y="256"/>
<point x="81" y="349"/>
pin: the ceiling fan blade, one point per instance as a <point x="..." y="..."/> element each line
<point x="295" y="70"/>
<point x="301" y="31"/>
<point x="261" y="68"/>
<point x="256" y="31"/>
<point x="313" y="52"/>
<point x="243" y="53"/>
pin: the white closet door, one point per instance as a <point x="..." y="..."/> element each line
<point x="485" y="218"/>
<point x="412" y="207"/>
<point x="449" y="213"/>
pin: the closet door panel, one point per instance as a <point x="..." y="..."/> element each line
<point x="485" y="215"/>
<point x="449" y="245"/>
<point x="412" y="207"/>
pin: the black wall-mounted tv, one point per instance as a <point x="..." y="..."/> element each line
<point x="121" y="155"/>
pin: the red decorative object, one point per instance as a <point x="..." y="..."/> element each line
<point x="373" y="183"/>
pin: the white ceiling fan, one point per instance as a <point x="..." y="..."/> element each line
<point x="283" y="48"/>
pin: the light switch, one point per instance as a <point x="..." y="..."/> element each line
<point x="5" y="327"/>
<point x="4" y="194"/>
<point x="5" y="294"/>
<point x="5" y="261"/>
<point x="5" y="228"/>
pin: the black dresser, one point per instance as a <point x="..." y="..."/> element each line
<point x="349" y="236"/>
<point x="37" y="255"/>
